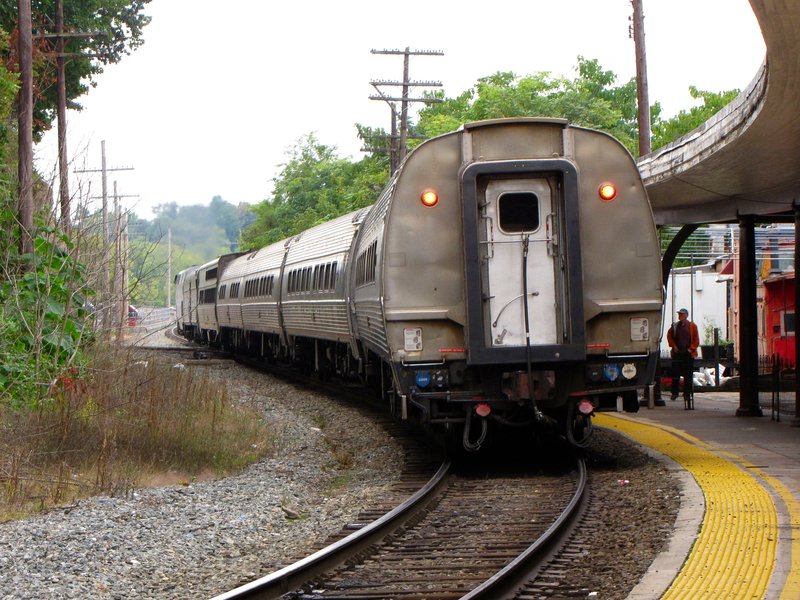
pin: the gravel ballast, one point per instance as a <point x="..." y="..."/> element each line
<point x="201" y="539"/>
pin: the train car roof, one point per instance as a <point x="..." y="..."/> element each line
<point x="493" y="122"/>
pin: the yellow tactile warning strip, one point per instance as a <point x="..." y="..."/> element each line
<point x="734" y="554"/>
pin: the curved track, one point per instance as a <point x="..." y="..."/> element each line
<point x="466" y="536"/>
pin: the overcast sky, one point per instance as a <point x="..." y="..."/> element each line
<point x="219" y="91"/>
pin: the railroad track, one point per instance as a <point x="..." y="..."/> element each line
<point x="473" y="535"/>
<point x="478" y="535"/>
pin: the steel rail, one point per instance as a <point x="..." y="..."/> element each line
<point x="292" y="576"/>
<point x="517" y="572"/>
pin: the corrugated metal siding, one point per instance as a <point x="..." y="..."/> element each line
<point x="261" y="316"/>
<point x="265" y="259"/>
<point x="190" y="292"/>
<point x="229" y="315"/>
<point x="206" y="313"/>
<point x="374" y="221"/>
<point x="370" y="325"/>
<point x="184" y="302"/>
<point x="326" y="240"/>
<point x="326" y="320"/>
<point x="229" y="310"/>
<point x="236" y="269"/>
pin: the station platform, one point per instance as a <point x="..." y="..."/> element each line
<point x="738" y="531"/>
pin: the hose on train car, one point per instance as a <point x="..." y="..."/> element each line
<point x="470" y="446"/>
<point x="528" y="360"/>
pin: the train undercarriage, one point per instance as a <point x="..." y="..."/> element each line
<point x="465" y="406"/>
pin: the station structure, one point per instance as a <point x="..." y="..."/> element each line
<point x="741" y="167"/>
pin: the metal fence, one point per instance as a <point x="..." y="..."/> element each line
<point x="152" y="317"/>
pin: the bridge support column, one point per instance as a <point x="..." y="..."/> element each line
<point x="748" y="321"/>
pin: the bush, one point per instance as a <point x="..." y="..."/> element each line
<point x="111" y="427"/>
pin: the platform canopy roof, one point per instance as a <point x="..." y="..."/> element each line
<point x="746" y="159"/>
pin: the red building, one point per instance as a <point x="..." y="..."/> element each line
<point x="779" y="315"/>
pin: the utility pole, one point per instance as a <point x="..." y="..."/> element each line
<point x="61" y="84"/>
<point x="121" y="304"/>
<point x="642" y="94"/>
<point x="121" y="260"/>
<point x="25" y="123"/>
<point x="61" y="109"/>
<point x="169" y="264"/>
<point x="400" y="147"/>
<point x="104" y="283"/>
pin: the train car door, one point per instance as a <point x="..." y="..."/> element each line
<point x="518" y="218"/>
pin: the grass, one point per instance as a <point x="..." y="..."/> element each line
<point x="129" y="421"/>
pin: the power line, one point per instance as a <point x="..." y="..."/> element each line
<point x="398" y="144"/>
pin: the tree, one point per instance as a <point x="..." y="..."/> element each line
<point x="117" y="25"/>
<point x="225" y="216"/>
<point x="685" y="121"/>
<point x="591" y="99"/>
<point x="314" y="186"/>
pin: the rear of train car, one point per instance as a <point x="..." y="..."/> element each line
<point x="508" y="276"/>
<point x="511" y="274"/>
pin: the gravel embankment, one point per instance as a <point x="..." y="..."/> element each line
<point x="198" y="540"/>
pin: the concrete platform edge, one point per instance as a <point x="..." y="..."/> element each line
<point x="666" y="566"/>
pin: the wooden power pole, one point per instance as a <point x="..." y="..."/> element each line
<point x="642" y="94"/>
<point x="25" y="123"/>
<point x="400" y="146"/>
<point x="105" y="259"/>
<point x="61" y="84"/>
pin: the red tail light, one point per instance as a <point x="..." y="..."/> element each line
<point x="607" y="192"/>
<point x="429" y="198"/>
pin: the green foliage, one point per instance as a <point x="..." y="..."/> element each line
<point x="685" y="121"/>
<point x="591" y="99"/>
<point x="8" y="94"/>
<point x="314" y="186"/>
<point x="42" y="318"/>
<point x="133" y="419"/>
<point x="119" y="24"/>
<point x="199" y="233"/>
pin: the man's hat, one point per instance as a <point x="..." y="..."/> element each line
<point x="683" y="310"/>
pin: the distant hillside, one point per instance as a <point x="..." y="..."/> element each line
<point x="199" y="234"/>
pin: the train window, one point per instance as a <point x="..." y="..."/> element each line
<point x="222" y="292"/>
<point x="333" y="275"/>
<point x="211" y="274"/>
<point x="315" y="278"/>
<point x="518" y="212"/>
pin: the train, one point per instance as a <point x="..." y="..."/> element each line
<point x="507" y="277"/>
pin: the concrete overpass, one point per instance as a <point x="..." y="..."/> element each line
<point x="745" y="159"/>
<point x="741" y="166"/>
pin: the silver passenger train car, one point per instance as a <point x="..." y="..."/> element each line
<point x="509" y="275"/>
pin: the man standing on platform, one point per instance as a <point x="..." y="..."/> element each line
<point x="683" y="339"/>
